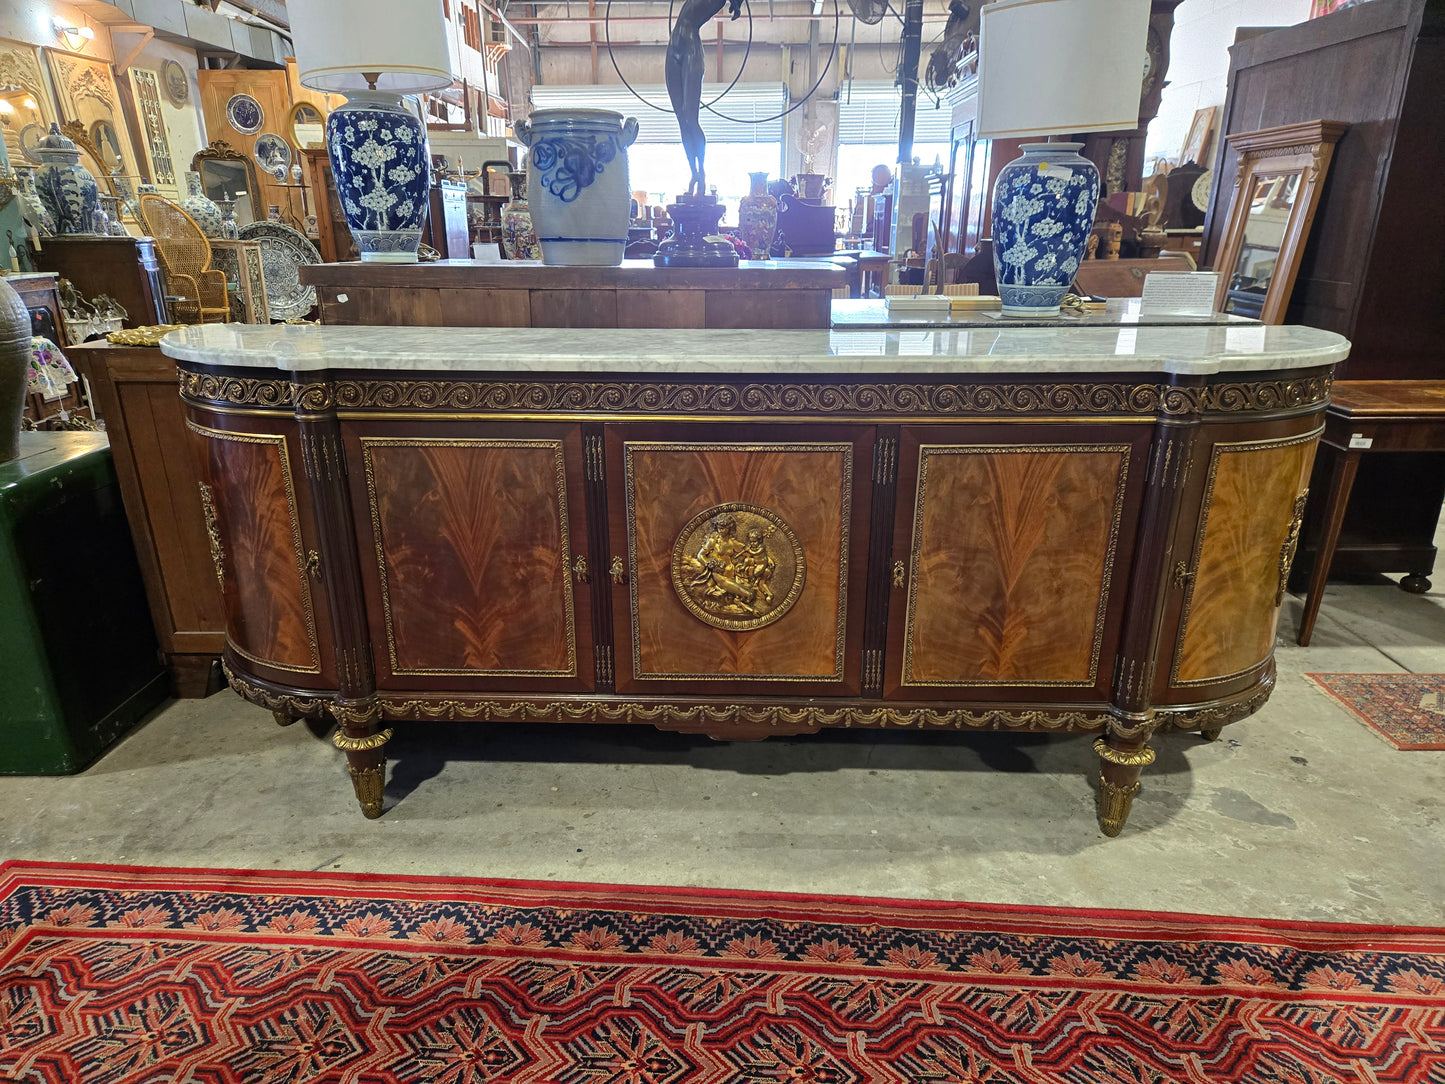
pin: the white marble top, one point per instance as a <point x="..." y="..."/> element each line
<point x="873" y="313"/>
<point x="1197" y="350"/>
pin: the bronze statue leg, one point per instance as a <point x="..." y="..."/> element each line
<point x="1123" y="759"/>
<point x="362" y="739"/>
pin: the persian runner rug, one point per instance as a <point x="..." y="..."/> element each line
<point x="1407" y="710"/>
<point x="112" y="974"/>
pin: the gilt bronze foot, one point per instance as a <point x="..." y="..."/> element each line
<point x="284" y="718"/>
<point x="1210" y="733"/>
<point x="1119" y="779"/>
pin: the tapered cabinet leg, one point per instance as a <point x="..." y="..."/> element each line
<point x="1210" y="733"/>
<point x="1121" y="762"/>
<point x="362" y="739"/>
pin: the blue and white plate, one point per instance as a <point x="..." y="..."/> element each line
<point x="273" y="154"/>
<point x="245" y="114"/>
<point x="284" y="252"/>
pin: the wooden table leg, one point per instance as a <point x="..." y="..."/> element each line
<point x="1342" y="480"/>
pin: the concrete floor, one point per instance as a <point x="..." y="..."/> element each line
<point x="1298" y="812"/>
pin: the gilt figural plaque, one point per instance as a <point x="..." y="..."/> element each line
<point x="738" y="566"/>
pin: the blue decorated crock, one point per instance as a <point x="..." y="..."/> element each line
<point x="1043" y="209"/>
<point x="577" y="183"/>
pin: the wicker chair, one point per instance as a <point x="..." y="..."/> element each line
<point x="198" y="290"/>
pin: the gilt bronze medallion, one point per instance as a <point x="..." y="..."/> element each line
<point x="738" y="566"/>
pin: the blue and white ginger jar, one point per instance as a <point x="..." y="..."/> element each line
<point x="66" y="188"/>
<point x="382" y="164"/>
<point x="1043" y="210"/>
<point x="577" y="184"/>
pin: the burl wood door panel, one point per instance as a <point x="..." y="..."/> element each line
<point x="1008" y="555"/>
<point x="1247" y="533"/>
<point x="473" y="545"/>
<point x="689" y="613"/>
<point x="250" y="499"/>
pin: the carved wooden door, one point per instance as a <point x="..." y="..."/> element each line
<point x="738" y="557"/>
<point x="473" y="554"/>
<point x="1231" y="564"/>
<point x="253" y="494"/>
<point x="1011" y="556"/>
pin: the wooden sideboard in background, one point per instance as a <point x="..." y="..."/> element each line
<point x="125" y="268"/>
<point x="135" y="392"/>
<point x="465" y="293"/>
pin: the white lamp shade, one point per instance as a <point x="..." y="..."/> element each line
<point x="1049" y="67"/>
<point x="336" y="41"/>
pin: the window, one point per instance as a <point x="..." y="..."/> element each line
<point x="471" y="28"/>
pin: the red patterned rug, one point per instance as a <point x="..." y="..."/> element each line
<point x="112" y="974"/>
<point x="1407" y="710"/>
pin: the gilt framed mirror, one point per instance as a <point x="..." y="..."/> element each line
<point x="1276" y="191"/>
<point x="305" y="126"/>
<point x="228" y="174"/>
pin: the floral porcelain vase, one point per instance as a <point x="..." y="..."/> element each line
<point x="1043" y="209"/>
<point x="519" y="239"/>
<point x="201" y="207"/>
<point x="577" y="183"/>
<point x="758" y="217"/>
<point x="379" y="154"/>
<point x="67" y="189"/>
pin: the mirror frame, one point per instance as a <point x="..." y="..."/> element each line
<point x="74" y="131"/>
<point x="1305" y="149"/>
<point x="221" y="151"/>
<point x="291" y="124"/>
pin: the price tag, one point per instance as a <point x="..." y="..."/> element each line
<point x="1359" y="440"/>
<point x="341" y="299"/>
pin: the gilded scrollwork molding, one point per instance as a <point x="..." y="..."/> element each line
<point x="776" y="398"/>
<point x="721" y="716"/>
<point x="1213" y="716"/>
<point x="292" y="704"/>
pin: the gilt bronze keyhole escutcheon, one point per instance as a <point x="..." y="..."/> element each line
<point x="738" y="566"/>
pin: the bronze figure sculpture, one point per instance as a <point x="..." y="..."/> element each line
<point x="684" y="79"/>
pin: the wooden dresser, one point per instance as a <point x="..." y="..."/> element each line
<point x="1028" y="529"/>
<point x="465" y="293"/>
<point x="125" y="268"/>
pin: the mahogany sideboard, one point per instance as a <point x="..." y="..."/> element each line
<point x="514" y="293"/>
<point x="1083" y="529"/>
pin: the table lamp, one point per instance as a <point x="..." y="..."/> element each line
<point x="375" y="52"/>
<point x="1045" y="68"/>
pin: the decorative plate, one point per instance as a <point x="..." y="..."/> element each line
<point x="283" y="253"/>
<point x="245" y="114"/>
<point x="30" y="137"/>
<point x="1199" y="193"/>
<point x="273" y="154"/>
<point x="175" y="83"/>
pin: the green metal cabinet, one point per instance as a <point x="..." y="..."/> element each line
<point x="78" y="661"/>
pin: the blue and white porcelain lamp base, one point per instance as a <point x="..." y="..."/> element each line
<point x="1043" y="209"/>
<point x="382" y="164"/>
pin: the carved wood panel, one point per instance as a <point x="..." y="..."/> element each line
<point x="675" y="495"/>
<point x="473" y="555"/>
<point x="1246" y="538"/>
<point x="249" y="501"/>
<point x="1007" y="553"/>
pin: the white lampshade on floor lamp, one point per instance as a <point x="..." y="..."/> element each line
<point x="375" y="52"/>
<point x="1046" y="68"/>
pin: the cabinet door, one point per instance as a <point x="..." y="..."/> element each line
<point x="743" y="557"/>
<point x="263" y="547"/>
<point x="1010" y="560"/>
<point x="1233" y="571"/>
<point x="473" y="548"/>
